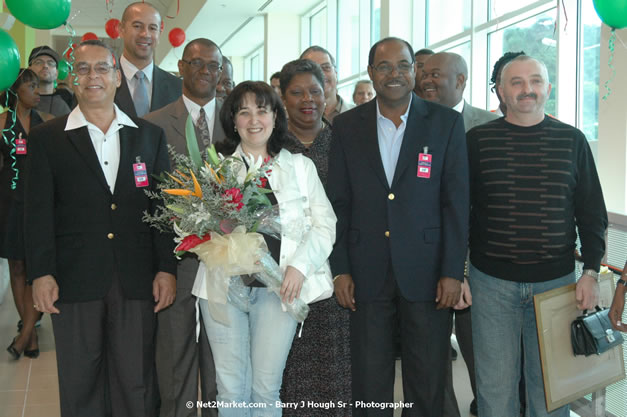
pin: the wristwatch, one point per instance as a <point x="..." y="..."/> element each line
<point x="592" y="273"/>
<point x="622" y="282"/>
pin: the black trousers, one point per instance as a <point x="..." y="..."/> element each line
<point x="425" y="348"/>
<point x="105" y="356"/>
<point x="463" y="331"/>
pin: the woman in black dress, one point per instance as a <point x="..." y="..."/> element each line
<point x="318" y="367"/>
<point x="16" y="123"/>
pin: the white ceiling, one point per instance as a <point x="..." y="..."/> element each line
<point x="236" y="25"/>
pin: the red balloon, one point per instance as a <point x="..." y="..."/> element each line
<point x="111" y="27"/>
<point x="89" y="36"/>
<point x="176" y="37"/>
<point x="69" y="51"/>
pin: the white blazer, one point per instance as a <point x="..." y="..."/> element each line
<point x="308" y="252"/>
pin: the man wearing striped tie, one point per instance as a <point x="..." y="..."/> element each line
<point x="179" y="358"/>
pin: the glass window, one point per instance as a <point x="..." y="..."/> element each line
<point x="500" y="7"/>
<point x="347" y="58"/>
<point x="446" y="18"/>
<point x="318" y="28"/>
<point x="589" y="58"/>
<point x="536" y="36"/>
<point x="464" y="50"/>
<point x="375" y="33"/>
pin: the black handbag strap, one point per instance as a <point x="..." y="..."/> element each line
<point x="597" y="308"/>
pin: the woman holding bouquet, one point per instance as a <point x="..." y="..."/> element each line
<point x="250" y="351"/>
<point x="318" y="368"/>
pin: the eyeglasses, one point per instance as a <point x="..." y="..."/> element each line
<point x="387" y="68"/>
<point x="85" y="69"/>
<point x="230" y="84"/>
<point x="326" y="67"/>
<point x="40" y="63"/>
<point x="199" y="64"/>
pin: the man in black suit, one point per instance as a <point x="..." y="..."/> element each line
<point x="178" y="355"/>
<point x="398" y="182"/>
<point x="145" y="87"/>
<point x="95" y="265"/>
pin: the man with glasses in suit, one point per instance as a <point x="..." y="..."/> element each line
<point x="96" y="267"/>
<point x="179" y="358"/>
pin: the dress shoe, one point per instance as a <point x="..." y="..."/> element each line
<point x="12" y="351"/>
<point x="33" y="354"/>
<point x="473" y="406"/>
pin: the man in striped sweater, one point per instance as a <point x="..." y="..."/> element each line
<point x="533" y="184"/>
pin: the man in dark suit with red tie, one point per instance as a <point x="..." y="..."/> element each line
<point x="144" y="86"/>
<point x="398" y="182"/>
<point x="99" y="269"/>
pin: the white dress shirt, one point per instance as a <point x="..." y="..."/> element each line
<point x="129" y="72"/>
<point x="390" y="140"/>
<point x="106" y="145"/>
<point x="210" y="113"/>
<point x="459" y="107"/>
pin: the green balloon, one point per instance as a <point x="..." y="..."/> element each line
<point x="40" y="14"/>
<point x="9" y="60"/>
<point x="63" y="69"/>
<point x="612" y="12"/>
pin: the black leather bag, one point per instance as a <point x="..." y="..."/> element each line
<point x="592" y="334"/>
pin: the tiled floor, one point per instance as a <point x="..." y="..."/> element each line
<point x="29" y="387"/>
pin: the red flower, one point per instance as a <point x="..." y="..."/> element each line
<point x="236" y="196"/>
<point x="191" y="241"/>
<point x="263" y="181"/>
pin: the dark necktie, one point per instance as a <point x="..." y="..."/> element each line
<point x="202" y="130"/>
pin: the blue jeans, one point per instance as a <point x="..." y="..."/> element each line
<point x="502" y="316"/>
<point x="250" y="353"/>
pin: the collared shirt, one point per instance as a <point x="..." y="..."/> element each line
<point x="210" y="112"/>
<point x="129" y="72"/>
<point x="459" y="107"/>
<point x="390" y="140"/>
<point x="106" y="145"/>
<point x="341" y="107"/>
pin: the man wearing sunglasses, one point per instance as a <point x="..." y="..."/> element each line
<point x="96" y="267"/>
<point x="179" y="358"/>
<point x="145" y="87"/>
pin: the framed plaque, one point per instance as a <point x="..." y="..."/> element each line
<point x="568" y="377"/>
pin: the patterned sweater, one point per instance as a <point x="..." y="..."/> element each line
<point x="530" y="187"/>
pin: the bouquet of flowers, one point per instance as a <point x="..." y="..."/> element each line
<point x="216" y="208"/>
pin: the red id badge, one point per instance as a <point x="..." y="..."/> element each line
<point x="141" y="176"/>
<point x="424" y="165"/>
<point x="20" y="145"/>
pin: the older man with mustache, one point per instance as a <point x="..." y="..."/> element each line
<point x="533" y="184"/>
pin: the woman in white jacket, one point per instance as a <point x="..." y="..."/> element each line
<point x="250" y="352"/>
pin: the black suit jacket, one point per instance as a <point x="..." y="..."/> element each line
<point x="427" y="218"/>
<point x="81" y="233"/>
<point x="166" y="88"/>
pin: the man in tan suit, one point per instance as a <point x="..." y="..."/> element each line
<point x="178" y="356"/>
